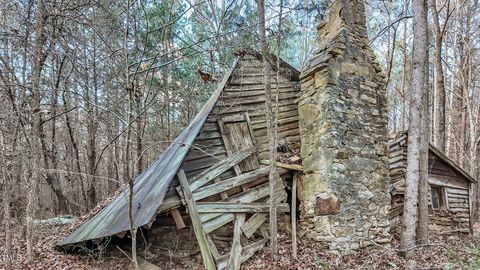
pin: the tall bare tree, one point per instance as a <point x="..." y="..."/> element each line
<point x="440" y="92"/>
<point x="37" y="67"/>
<point x="271" y="132"/>
<point x="423" y="194"/>
<point x="420" y="52"/>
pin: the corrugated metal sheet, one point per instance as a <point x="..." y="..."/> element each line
<point x="150" y="187"/>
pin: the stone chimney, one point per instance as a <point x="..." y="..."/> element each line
<point x="343" y="123"/>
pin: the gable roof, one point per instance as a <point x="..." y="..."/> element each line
<point x="151" y="186"/>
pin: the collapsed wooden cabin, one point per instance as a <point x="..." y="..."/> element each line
<point x="450" y="189"/>
<point x="215" y="174"/>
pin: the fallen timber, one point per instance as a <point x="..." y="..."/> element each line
<point x="212" y="215"/>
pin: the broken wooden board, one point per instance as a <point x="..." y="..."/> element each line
<point x="216" y="188"/>
<point x="236" y="251"/>
<point x="251" y="195"/>
<point x="177" y="217"/>
<point x="294" y="167"/>
<point x="247" y="253"/>
<point x="214" y="171"/>
<point x="253" y="223"/>
<point x="196" y="223"/>
<point x="237" y="207"/>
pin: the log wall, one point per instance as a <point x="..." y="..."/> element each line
<point x="455" y="216"/>
<point x="245" y="93"/>
<point x="224" y="178"/>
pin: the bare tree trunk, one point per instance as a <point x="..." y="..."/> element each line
<point x="450" y="131"/>
<point x="128" y="86"/>
<point x="5" y="183"/>
<point x="140" y="128"/>
<point x="422" y="228"/>
<point x="404" y="72"/>
<point x="273" y="176"/>
<point x="37" y="122"/>
<point x="73" y="142"/>
<point x="465" y="73"/>
<point x="410" y="216"/>
<point x="8" y="256"/>
<point x="440" y="112"/>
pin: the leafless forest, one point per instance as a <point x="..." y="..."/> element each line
<point x="92" y="92"/>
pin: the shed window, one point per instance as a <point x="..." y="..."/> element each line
<point x="437" y="198"/>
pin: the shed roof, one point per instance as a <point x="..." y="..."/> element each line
<point x="151" y="186"/>
<point x="452" y="163"/>
<point x="398" y="136"/>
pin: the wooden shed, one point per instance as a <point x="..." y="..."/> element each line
<point x="450" y="189"/>
<point x="214" y="176"/>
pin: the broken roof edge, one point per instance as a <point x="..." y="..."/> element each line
<point x="452" y="163"/>
<point x="182" y="142"/>
<point x="294" y="74"/>
<point x="436" y="151"/>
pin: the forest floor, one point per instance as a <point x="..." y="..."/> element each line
<point x="453" y="252"/>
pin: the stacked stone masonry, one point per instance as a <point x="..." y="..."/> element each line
<point x="343" y="125"/>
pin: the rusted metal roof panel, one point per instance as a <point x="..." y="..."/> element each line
<point x="150" y="186"/>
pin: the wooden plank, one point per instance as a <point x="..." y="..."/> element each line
<point x="244" y="197"/>
<point x="250" y="129"/>
<point x="228" y="107"/>
<point x="458" y="191"/>
<point x="255" y="113"/>
<point x="239" y="137"/>
<point x="281" y="135"/>
<point x="214" y="171"/>
<point x="287" y="166"/>
<point x="445" y="198"/>
<point x="226" y="142"/>
<point x="454" y="183"/>
<point x="281" y="128"/>
<point x="213" y="248"/>
<point x="293" y="214"/>
<point x="202" y="164"/>
<point x="247" y="253"/>
<point x="471" y="197"/>
<point x="169" y="203"/>
<point x="206" y="152"/>
<point x="234" y="207"/>
<point x="177" y="217"/>
<point x="216" y="188"/>
<point x="217" y="222"/>
<point x="209" y="264"/>
<point x="208" y="135"/>
<point x="466" y="210"/>
<point x="253" y="91"/>
<point x="457" y="196"/>
<point x="253" y="223"/>
<point x="283" y="121"/>
<point x="236" y="251"/>
<point x="247" y="97"/>
<point x="224" y="194"/>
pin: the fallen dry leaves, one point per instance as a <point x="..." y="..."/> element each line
<point x="452" y="252"/>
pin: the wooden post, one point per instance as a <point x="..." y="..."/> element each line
<point x="294" y="215"/>
<point x="177" y="217"/>
<point x="196" y="223"/>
